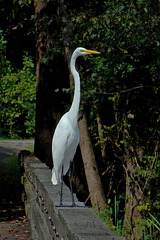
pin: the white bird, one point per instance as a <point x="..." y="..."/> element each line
<point x="66" y="135"/>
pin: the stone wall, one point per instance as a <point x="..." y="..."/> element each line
<point x="47" y="220"/>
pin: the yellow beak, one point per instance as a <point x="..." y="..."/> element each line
<point x="90" y="51"/>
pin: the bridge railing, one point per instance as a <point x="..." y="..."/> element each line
<point x="46" y="219"/>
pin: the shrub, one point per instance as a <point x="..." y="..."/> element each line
<point x="18" y="93"/>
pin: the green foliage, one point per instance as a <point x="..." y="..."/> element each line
<point x="125" y="37"/>
<point x="17" y="23"/>
<point x="17" y="71"/>
<point x="102" y="214"/>
<point x="5" y="64"/>
<point x="17" y="99"/>
<point x="123" y="83"/>
<point x="146" y="227"/>
<point x="24" y="2"/>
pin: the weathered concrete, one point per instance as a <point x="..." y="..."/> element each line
<point x="47" y="220"/>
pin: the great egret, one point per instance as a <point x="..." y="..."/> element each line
<point x="66" y="135"/>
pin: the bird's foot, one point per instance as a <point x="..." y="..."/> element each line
<point x="67" y="205"/>
<point x="60" y="204"/>
<point x="73" y="204"/>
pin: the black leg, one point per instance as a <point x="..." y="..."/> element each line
<point x="61" y="193"/>
<point x="73" y="202"/>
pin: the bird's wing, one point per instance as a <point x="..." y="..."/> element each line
<point x="61" y="136"/>
<point x="60" y="142"/>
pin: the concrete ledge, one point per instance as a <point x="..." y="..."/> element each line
<point x="47" y="221"/>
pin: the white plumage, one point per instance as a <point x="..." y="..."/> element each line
<point x="64" y="147"/>
<point x="66" y="135"/>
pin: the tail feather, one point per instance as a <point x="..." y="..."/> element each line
<point x="54" y="178"/>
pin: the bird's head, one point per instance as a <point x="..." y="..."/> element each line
<point x="80" y="51"/>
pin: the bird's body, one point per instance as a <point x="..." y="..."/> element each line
<point x="66" y="135"/>
<point x="64" y="147"/>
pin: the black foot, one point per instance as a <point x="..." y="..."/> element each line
<point x="62" y="205"/>
<point x="74" y="205"/>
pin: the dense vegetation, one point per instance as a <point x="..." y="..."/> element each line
<point x="120" y="96"/>
<point x="18" y="93"/>
<point x="17" y="72"/>
<point x="123" y="97"/>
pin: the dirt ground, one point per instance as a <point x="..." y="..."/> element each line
<point x="13" y="222"/>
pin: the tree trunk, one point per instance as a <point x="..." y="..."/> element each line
<point x="133" y="195"/>
<point x="91" y="170"/>
<point x="42" y="136"/>
<point x="50" y="76"/>
<point x="134" y="192"/>
<point x="100" y="133"/>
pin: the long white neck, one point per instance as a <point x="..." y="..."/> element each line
<point x="74" y="110"/>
